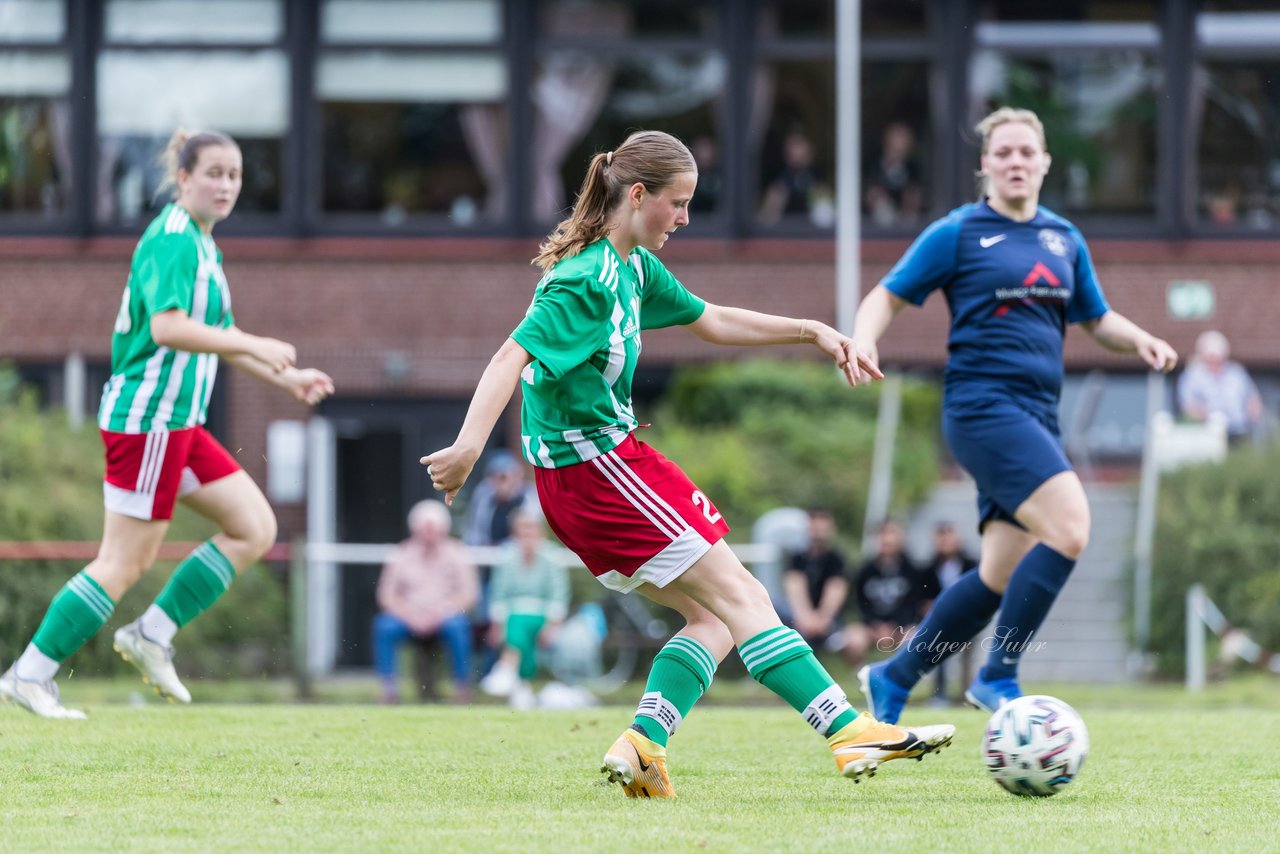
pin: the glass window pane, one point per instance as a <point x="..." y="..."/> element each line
<point x="35" y="124"/>
<point x="583" y="104"/>
<point x="896" y="173"/>
<point x="1099" y="112"/>
<point x="385" y="76"/>
<point x="1239" y="148"/>
<point x="409" y="135"/>
<point x="35" y="155"/>
<point x="1069" y="10"/>
<point x="794" y="118"/>
<point x="242" y="93"/>
<point x="194" y="21"/>
<point x="411" y="21"/>
<point x="1239" y="29"/>
<point x="403" y="160"/>
<point x="33" y="21"/>
<point x="630" y="18"/>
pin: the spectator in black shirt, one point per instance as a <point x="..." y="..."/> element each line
<point x="815" y="586"/>
<point x="892" y="593"/>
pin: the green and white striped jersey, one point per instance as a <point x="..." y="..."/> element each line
<point x="175" y="265"/>
<point x="583" y="331"/>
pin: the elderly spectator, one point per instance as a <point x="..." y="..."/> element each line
<point x="1214" y="385"/>
<point x="426" y="589"/>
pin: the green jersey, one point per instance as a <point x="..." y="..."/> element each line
<point x="175" y="265"/>
<point x="583" y="331"/>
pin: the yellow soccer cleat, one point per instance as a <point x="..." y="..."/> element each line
<point x="639" y="765"/>
<point x="860" y="746"/>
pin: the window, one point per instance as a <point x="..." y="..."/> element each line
<point x="1235" y="105"/>
<point x="609" y="68"/>
<point x="1096" y="87"/>
<point x="413" y="115"/>
<point x="236" y="81"/>
<point x="794" y="112"/>
<point x="35" y="116"/>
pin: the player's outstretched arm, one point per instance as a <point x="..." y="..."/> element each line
<point x="449" y="467"/>
<point x="175" y="330"/>
<point x="728" y="325"/>
<point x="1120" y="334"/>
<point x="307" y="385"/>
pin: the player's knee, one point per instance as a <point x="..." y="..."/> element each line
<point x="254" y="534"/>
<point x="1072" y="539"/>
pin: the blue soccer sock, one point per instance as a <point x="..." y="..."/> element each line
<point x="1031" y="592"/>
<point x="957" y="615"/>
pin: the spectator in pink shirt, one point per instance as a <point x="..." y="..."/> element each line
<point x="426" y="589"/>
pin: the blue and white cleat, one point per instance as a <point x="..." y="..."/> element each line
<point x="990" y="696"/>
<point x="885" y="698"/>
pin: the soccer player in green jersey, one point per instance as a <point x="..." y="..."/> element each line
<point x="632" y="516"/>
<point x="173" y="325"/>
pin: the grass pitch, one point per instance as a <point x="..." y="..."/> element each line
<point x="1164" y="773"/>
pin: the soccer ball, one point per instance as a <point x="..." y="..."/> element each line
<point x="1035" y="745"/>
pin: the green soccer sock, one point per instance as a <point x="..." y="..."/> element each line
<point x="75" y="615"/>
<point x="196" y="584"/>
<point x="780" y="660"/>
<point x="682" y="672"/>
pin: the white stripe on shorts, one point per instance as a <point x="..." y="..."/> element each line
<point x="644" y="491"/>
<point x="667" y="522"/>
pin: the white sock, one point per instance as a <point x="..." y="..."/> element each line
<point x="34" y="666"/>
<point x="157" y="626"/>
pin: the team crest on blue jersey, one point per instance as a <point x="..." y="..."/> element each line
<point x="1053" y="241"/>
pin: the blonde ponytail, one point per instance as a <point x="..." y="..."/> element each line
<point x="183" y="152"/>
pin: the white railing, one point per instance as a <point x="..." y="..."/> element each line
<point x="1202" y="614"/>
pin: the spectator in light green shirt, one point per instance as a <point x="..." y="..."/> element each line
<point x="528" y="600"/>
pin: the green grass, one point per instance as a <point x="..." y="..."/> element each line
<point x="1166" y="772"/>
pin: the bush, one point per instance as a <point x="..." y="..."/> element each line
<point x="1218" y="525"/>
<point x="761" y="434"/>
<point x="52" y="479"/>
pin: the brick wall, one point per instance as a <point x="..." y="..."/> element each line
<point x="437" y="309"/>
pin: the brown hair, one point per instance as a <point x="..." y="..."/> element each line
<point x="1005" y="116"/>
<point x="183" y="153"/>
<point x="648" y="157"/>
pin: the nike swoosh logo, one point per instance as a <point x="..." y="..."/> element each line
<point x="988" y="242"/>
<point x="644" y="766"/>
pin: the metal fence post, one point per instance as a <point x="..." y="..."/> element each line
<point x="298" y="618"/>
<point x="1195" y="638"/>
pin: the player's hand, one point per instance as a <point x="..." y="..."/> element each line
<point x="1157" y="353"/>
<point x="448" y="469"/>
<point x="310" y="386"/>
<point x="276" y="354"/>
<point x="854" y="362"/>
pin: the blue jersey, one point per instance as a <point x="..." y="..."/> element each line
<point x="1012" y="288"/>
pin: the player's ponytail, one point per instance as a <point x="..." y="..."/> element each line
<point x="183" y="152"/>
<point x="648" y="157"/>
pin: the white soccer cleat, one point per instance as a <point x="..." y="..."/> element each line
<point x="39" y="698"/>
<point x="501" y="680"/>
<point x="154" y="662"/>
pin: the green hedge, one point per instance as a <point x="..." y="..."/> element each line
<point x="760" y="434"/>
<point x="51" y="479"/>
<point x="1218" y="525"/>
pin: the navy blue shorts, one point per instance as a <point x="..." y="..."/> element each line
<point x="1008" y="449"/>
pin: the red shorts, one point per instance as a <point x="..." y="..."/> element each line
<point x="148" y="472"/>
<point x="631" y="515"/>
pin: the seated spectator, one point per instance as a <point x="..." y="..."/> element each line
<point x="425" y="591"/>
<point x="893" y="195"/>
<point x="799" y="189"/>
<point x="1214" y="386"/>
<point x="503" y="491"/>
<point x="815" y="586"/>
<point x="948" y="563"/>
<point x="528" y="601"/>
<point x="892" y="593"/>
